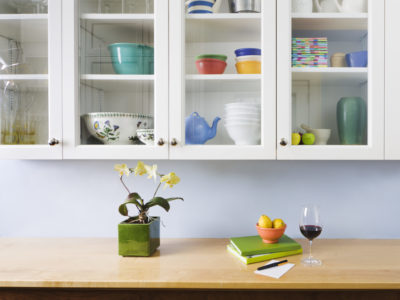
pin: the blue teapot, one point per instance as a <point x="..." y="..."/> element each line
<point x="198" y="131"/>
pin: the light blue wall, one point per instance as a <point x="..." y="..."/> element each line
<point x="222" y="199"/>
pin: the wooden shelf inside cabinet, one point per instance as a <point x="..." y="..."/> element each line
<point x="330" y="21"/>
<point x="223" y="83"/>
<point x="338" y="76"/>
<point x="223" y="27"/>
<point x="121" y="83"/>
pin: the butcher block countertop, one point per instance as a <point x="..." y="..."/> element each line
<point x="192" y="264"/>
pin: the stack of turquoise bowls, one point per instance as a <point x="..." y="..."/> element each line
<point x="132" y="58"/>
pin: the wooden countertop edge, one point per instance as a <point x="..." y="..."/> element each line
<point x="201" y="286"/>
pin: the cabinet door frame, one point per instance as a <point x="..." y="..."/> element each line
<point x="376" y="131"/>
<point x="55" y="96"/>
<point x="266" y="151"/>
<point x="71" y="124"/>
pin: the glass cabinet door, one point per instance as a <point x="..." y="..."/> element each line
<point x="330" y="79"/>
<point x="222" y="80"/>
<point x="116" y="70"/>
<point x="30" y="79"/>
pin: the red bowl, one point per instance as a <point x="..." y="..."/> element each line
<point x="210" y="66"/>
<point x="270" y="235"/>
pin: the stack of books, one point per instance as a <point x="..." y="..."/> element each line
<point x="310" y="52"/>
<point x="251" y="249"/>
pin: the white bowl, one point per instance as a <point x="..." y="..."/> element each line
<point x="249" y="115"/>
<point x="241" y="120"/>
<point x="146" y="136"/>
<point x="321" y="136"/>
<point x="115" y="128"/>
<point x="248" y="58"/>
<point x="200" y="7"/>
<point x="244" y="134"/>
<point x="243" y="110"/>
<point x="243" y="104"/>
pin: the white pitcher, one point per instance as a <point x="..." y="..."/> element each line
<point x="326" y="6"/>
<point x="302" y="6"/>
<point x="352" y="6"/>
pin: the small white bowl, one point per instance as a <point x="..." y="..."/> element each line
<point x="321" y="136"/>
<point x="243" y="110"/>
<point x="241" y="120"/>
<point x="242" y="104"/>
<point x="244" y="134"/>
<point x="200" y="7"/>
<point x="248" y="58"/>
<point x="242" y="114"/>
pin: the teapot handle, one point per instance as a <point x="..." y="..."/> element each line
<point x="339" y="7"/>
<point x="318" y="5"/>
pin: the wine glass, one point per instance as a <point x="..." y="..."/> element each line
<point x="311" y="228"/>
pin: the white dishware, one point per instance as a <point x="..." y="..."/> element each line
<point x="302" y="6"/>
<point x="352" y="6"/>
<point x="116" y="128"/>
<point x="216" y="5"/>
<point x="326" y="6"/>
<point x="146" y="136"/>
<point x="321" y="135"/>
<point x="244" y="134"/>
<point x="248" y="58"/>
<point x="247" y="109"/>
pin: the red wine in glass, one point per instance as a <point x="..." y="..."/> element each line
<point x="311" y="228"/>
<point x="311" y="231"/>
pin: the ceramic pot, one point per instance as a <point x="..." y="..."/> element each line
<point x="302" y="6"/>
<point x="352" y="120"/>
<point x="326" y="6"/>
<point x="338" y="60"/>
<point x="352" y="6"/>
<point x="138" y="239"/>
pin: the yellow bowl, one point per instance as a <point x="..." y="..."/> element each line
<point x="248" y="67"/>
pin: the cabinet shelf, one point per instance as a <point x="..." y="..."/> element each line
<point x="21" y="17"/>
<point x="224" y="77"/>
<point x="117" y="83"/>
<point x="226" y="83"/>
<point x="24" y="77"/>
<point x="116" y="18"/>
<point x="336" y="75"/>
<point x="330" y="21"/>
<point x="223" y="27"/>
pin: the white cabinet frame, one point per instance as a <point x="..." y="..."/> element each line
<point x="72" y="146"/>
<point x="375" y="148"/>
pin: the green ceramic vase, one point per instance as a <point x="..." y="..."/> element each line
<point x="138" y="239"/>
<point x="352" y="120"/>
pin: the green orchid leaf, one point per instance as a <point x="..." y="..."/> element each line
<point x="123" y="209"/>
<point x="176" y="198"/>
<point x="134" y="196"/>
<point x="158" y="201"/>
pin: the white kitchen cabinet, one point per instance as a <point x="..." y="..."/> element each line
<point x="392" y="65"/>
<point x="92" y="84"/>
<point x="223" y="32"/>
<point x="30" y="80"/>
<point x="309" y="95"/>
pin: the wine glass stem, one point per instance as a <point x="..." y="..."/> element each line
<point x="310" y="250"/>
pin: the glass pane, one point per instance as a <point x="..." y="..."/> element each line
<point x="23" y="7"/>
<point x="330" y="79"/>
<point x="223" y="88"/>
<point x="117" y="6"/>
<point x="24" y="112"/>
<point x="117" y="76"/>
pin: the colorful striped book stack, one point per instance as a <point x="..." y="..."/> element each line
<point x="310" y="52"/>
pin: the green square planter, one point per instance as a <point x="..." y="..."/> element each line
<point x="138" y="239"/>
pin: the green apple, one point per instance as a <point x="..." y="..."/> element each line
<point x="296" y="139"/>
<point x="308" y="139"/>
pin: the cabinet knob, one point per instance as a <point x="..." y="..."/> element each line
<point x="160" y="142"/>
<point x="53" y="142"/>
<point x="283" y="142"/>
<point x="174" y="142"/>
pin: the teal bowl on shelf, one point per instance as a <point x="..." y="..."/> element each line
<point x="132" y="58"/>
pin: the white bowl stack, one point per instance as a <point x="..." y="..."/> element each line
<point x="243" y="122"/>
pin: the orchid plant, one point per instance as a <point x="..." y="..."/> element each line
<point x="143" y="207"/>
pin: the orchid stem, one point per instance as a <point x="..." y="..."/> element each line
<point x="123" y="183"/>
<point x="157" y="190"/>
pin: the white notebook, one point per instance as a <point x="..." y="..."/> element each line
<point x="275" y="272"/>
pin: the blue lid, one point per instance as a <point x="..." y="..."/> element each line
<point x="247" y="51"/>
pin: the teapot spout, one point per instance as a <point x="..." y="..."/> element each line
<point x="213" y="131"/>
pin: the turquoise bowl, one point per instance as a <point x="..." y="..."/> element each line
<point x="131" y="58"/>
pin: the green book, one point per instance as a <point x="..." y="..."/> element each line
<point x="252" y="245"/>
<point x="261" y="257"/>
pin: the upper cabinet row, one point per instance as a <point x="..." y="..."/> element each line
<point x="210" y="79"/>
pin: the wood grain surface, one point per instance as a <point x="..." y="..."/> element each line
<point x="193" y="264"/>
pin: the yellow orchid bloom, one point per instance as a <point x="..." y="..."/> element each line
<point x="170" y="179"/>
<point x="122" y="169"/>
<point x="140" y="169"/>
<point x="151" y="171"/>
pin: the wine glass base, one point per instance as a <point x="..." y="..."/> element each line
<point x="311" y="261"/>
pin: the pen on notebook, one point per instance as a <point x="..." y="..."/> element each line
<point x="272" y="265"/>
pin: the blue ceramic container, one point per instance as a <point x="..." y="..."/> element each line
<point x="203" y="3"/>
<point x="247" y="51"/>
<point x="357" y="59"/>
<point x="131" y="58"/>
<point x="352" y="120"/>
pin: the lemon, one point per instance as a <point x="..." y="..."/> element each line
<point x="264" y="222"/>
<point x="278" y="223"/>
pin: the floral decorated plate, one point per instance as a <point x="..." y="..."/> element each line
<point x="114" y="128"/>
<point x="146" y="136"/>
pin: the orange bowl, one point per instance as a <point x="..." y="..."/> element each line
<point x="270" y="235"/>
